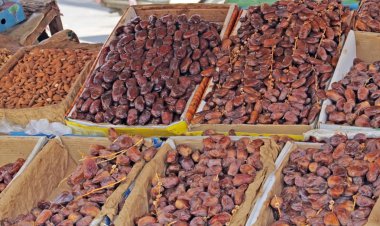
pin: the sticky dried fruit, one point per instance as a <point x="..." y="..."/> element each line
<point x="194" y="185"/>
<point x="90" y="184"/>
<point x="150" y="70"/>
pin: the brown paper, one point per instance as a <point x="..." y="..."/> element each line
<point x="136" y="204"/>
<point x="56" y="112"/>
<point x="37" y="182"/>
<point x="59" y="157"/>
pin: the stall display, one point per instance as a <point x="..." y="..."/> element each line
<point x="275" y="70"/>
<point x="147" y="72"/>
<point x="227" y="90"/>
<point x="95" y="182"/>
<point x="368" y="16"/>
<point x="46" y="76"/>
<point x="333" y="184"/>
<point x="40" y="82"/>
<point x="202" y="180"/>
<point x="355" y="99"/>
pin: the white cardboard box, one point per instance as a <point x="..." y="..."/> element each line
<point x="363" y="45"/>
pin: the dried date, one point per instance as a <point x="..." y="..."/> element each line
<point x="90" y="184"/>
<point x="281" y="63"/>
<point x="337" y="180"/>
<point x="146" y="61"/>
<point x="195" y="186"/>
<point x="356" y="104"/>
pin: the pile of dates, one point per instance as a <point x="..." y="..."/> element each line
<point x="42" y="77"/>
<point x="275" y="70"/>
<point x="149" y="72"/>
<point x="356" y="98"/>
<point x="335" y="185"/>
<point x="91" y="183"/>
<point x="8" y="171"/>
<point x="203" y="187"/>
<point x="368" y="17"/>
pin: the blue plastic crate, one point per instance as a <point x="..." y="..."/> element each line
<point x="11" y="13"/>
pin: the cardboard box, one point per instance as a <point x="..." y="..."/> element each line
<point x="46" y="177"/>
<point x="137" y="205"/>
<point x="13" y="148"/>
<point x="221" y="14"/>
<point x="363" y="45"/>
<point x="293" y="131"/>
<point x="54" y="112"/>
<point x="262" y="213"/>
<point x="11" y="13"/>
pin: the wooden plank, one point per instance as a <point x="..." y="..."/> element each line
<point x="56" y="25"/>
<point x="31" y="39"/>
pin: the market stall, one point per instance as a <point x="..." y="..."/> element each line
<point x="195" y="114"/>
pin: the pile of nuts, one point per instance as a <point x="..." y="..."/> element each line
<point x="335" y="185"/>
<point x="356" y="98"/>
<point x="8" y="171"/>
<point x="5" y="55"/>
<point x="42" y="77"/>
<point x="368" y="17"/>
<point x="149" y="72"/>
<point x="203" y="186"/>
<point x="276" y="69"/>
<point x="91" y="183"/>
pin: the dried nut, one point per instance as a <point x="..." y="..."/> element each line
<point x="336" y="184"/>
<point x="360" y="106"/>
<point x="195" y="186"/>
<point x="42" y="77"/>
<point x="277" y="66"/>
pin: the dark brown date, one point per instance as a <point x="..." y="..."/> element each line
<point x="148" y="62"/>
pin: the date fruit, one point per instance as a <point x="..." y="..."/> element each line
<point x="151" y="69"/>
<point x="91" y="183"/>
<point x="195" y="185"/>
<point x="332" y="185"/>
